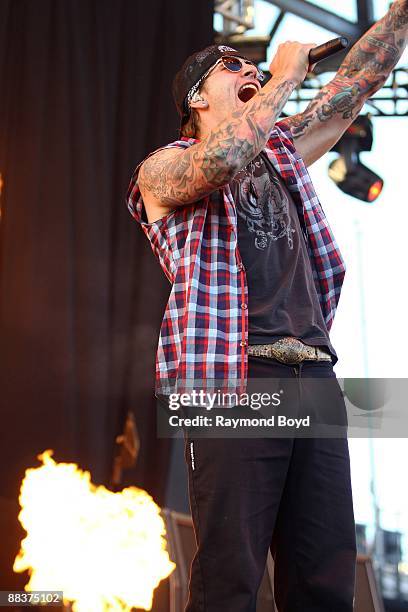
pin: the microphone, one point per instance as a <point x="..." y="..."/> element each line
<point x="327" y="49"/>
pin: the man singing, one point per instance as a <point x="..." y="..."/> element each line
<point x="256" y="275"/>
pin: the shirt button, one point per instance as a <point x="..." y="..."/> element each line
<point x="240" y="267"/>
<point x="244" y="343"/>
<point x="244" y="306"/>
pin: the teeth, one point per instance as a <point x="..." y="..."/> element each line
<point x="252" y="90"/>
<point x="248" y="86"/>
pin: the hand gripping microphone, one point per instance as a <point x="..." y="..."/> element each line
<point x="330" y="48"/>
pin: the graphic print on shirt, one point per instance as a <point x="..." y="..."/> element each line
<point x="264" y="206"/>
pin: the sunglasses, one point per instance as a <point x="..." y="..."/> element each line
<point x="236" y="64"/>
<point x="232" y="64"/>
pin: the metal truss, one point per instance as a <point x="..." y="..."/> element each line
<point x="328" y="20"/>
<point x="238" y="17"/>
<point x="319" y="16"/>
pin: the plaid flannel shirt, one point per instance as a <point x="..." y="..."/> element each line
<point x="204" y="332"/>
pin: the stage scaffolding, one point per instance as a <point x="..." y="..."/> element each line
<point x="238" y="19"/>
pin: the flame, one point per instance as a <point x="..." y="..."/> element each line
<point x="106" y="551"/>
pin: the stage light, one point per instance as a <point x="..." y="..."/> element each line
<point x="375" y="190"/>
<point x="347" y="171"/>
<point x="356" y="179"/>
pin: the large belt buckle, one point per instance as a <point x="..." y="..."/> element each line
<point x="289" y="351"/>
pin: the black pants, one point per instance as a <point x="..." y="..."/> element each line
<point x="292" y="495"/>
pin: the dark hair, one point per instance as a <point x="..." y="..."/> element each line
<point x="190" y="128"/>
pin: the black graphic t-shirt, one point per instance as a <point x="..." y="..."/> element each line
<point x="282" y="296"/>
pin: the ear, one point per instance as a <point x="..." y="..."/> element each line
<point x="198" y="101"/>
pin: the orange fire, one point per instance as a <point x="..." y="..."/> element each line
<point x="106" y="551"/>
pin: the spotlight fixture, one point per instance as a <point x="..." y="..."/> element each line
<point x="347" y="171"/>
<point x="356" y="179"/>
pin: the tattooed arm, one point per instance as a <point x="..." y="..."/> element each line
<point x="174" y="177"/>
<point x="363" y="72"/>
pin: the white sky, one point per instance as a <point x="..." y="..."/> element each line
<point x="373" y="301"/>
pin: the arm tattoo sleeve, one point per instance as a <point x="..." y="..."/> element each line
<point x="363" y="72"/>
<point x="338" y="98"/>
<point x="183" y="177"/>
<point x="374" y="56"/>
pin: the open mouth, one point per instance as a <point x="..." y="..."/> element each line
<point x="247" y="91"/>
